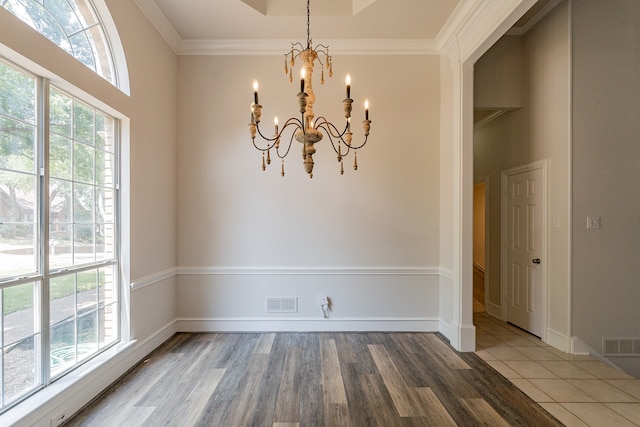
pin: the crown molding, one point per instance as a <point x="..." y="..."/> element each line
<point x="337" y="47"/>
<point x="278" y="47"/>
<point x="474" y="22"/>
<point x="522" y="30"/>
<point x="158" y="19"/>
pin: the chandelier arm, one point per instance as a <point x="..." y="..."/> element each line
<point x="357" y="147"/>
<point x="259" y="148"/>
<point x="288" y="148"/>
<point x="269" y="140"/>
<point x="328" y="126"/>
<point x="291" y="122"/>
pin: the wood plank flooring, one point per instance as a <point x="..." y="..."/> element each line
<point x="311" y="379"/>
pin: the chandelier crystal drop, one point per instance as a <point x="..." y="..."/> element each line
<point x="307" y="130"/>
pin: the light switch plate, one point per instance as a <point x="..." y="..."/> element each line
<point x="593" y="222"/>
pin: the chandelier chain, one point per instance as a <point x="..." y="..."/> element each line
<point x="308" y="25"/>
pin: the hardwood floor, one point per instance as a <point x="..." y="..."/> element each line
<point x="312" y="379"/>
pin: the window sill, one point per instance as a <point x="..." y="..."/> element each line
<point x="67" y="395"/>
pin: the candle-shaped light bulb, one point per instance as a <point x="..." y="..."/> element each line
<point x="255" y="91"/>
<point x="347" y="81"/>
<point x="366" y="109"/>
<point x="275" y="122"/>
<point x="303" y="74"/>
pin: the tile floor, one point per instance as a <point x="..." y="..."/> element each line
<point x="577" y="390"/>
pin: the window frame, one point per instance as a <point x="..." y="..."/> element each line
<point x="114" y="51"/>
<point x="43" y="275"/>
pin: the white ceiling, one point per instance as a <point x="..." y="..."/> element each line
<point x="267" y="26"/>
<point x="186" y="22"/>
<point x="235" y="19"/>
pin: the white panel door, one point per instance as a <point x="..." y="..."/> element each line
<point x="524" y="242"/>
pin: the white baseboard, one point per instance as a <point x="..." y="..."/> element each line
<point x="461" y="337"/>
<point x="494" y="310"/>
<point x="580" y="347"/>
<point x="307" y="325"/>
<point x="72" y="392"/>
<point x="558" y="340"/>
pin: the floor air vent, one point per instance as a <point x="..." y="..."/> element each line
<point x="621" y="347"/>
<point x="282" y="305"/>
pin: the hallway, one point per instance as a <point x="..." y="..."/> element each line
<point x="577" y="390"/>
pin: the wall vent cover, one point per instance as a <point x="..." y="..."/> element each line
<point x="628" y="347"/>
<point x="282" y="304"/>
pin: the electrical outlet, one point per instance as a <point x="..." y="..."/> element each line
<point x="593" y="222"/>
<point x="59" y="419"/>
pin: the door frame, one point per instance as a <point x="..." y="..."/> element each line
<point x="543" y="166"/>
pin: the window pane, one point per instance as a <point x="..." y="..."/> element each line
<point x="83" y="244"/>
<point x="63" y="346"/>
<point x="106" y="206"/>
<point x="60" y="223"/>
<point x="87" y="291"/>
<point x="20" y="369"/>
<point x="64" y="15"/>
<point x="62" y="307"/>
<point x="109" y="326"/>
<point x="83" y="124"/>
<point x="87" y="334"/>
<point x="59" y="113"/>
<point x="20" y="339"/>
<point x="82" y="49"/>
<point x="17" y="145"/>
<point x="60" y="246"/>
<point x="34" y="14"/>
<point x="83" y="203"/>
<point x="60" y="158"/>
<point x="65" y="22"/>
<point x="17" y="224"/>
<point x="60" y="201"/>
<point x="62" y="299"/>
<point x="17" y="309"/>
<point x="83" y="156"/>
<point x="105" y="243"/>
<point x="107" y="286"/>
<point x="104" y="132"/>
<point x="17" y="95"/>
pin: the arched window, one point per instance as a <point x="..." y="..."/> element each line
<point x="60" y="236"/>
<point x="78" y="27"/>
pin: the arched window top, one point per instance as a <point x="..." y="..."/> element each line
<point x="83" y="28"/>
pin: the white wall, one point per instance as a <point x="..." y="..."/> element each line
<point x="606" y="94"/>
<point x="539" y="130"/>
<point x="237" y="223"/>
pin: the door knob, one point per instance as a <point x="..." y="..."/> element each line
<point x="536" y="260"/>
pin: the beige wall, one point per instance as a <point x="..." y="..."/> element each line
<point x="606" y="154"/>
<point x="382" y="218"/>
<point x="539" y="130"/>
<point x="479" y="217"/>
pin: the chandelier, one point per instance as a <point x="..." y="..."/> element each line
<point x="307" y="130"/>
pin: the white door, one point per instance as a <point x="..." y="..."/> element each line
<point x="523" y="263"/>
